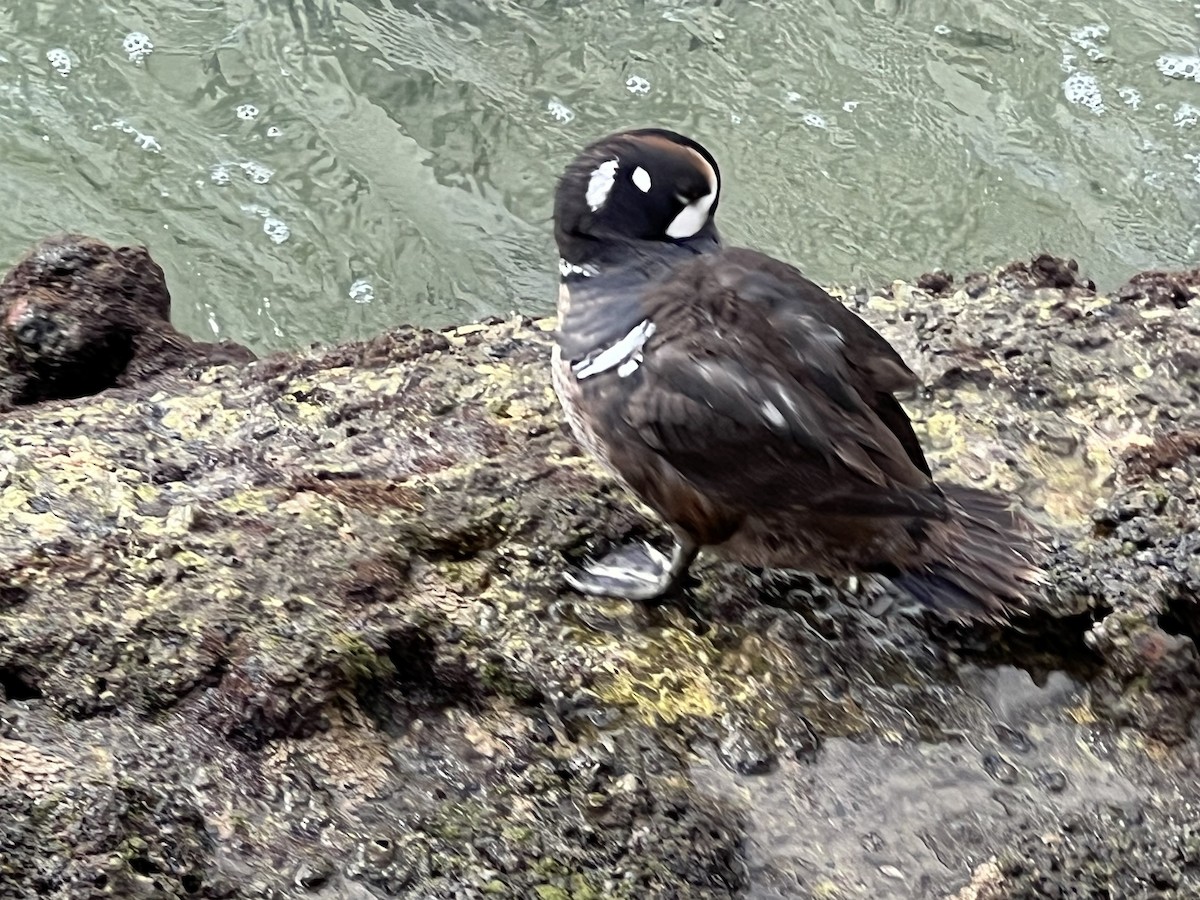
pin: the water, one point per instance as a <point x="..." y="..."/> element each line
<point x="320" y="170"/>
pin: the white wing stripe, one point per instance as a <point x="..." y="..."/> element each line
<point x="624" y="356"/>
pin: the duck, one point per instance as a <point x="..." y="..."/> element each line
<point x="751" y="411"/>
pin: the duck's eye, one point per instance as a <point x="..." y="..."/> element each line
<point x="641" y="179"/>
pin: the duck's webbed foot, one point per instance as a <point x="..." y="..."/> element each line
<point x="635" y="572"/>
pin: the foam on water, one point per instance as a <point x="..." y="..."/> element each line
<point x="636" y="84"/>
<point x="137" y="46"/>
<point x="1083" y="89"/>
<point x="428" y="142"/>
<point x="60" y="59"/>
<point x="362" y="291"/>
<point x="1175" y="65"/>
<point x="560" y="111"/>
<point x="1089" y="38"/>
<point x="276" y="229"/>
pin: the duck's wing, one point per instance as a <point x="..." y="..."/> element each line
<point x="761" y="390"/>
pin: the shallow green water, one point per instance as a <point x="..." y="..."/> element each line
<point x="321" y="170"/>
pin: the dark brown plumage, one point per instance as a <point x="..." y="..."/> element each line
<point x="751" y="410"/>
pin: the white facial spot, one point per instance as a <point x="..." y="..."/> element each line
<point x="693" y="216"/>
<point x="600" y="184"/>
<point x="641" y="178"/>
<point x="625" y="355"/>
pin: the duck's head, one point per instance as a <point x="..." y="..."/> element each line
<point x="632" y="187"/>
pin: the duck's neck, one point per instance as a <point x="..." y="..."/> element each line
<point x="602" y="290"/>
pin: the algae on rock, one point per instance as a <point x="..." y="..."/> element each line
<point x="296" y="628"/>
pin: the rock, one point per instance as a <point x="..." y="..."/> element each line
<point x="936" y="282"/>
<point x="78" y="316"/>
<point x="1160" y="288"/>
<point x="296" y="628"/>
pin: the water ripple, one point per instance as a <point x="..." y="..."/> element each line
<point x="322" y="171"/>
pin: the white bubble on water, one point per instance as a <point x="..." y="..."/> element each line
<point x="147" y="142"/>
<point x="941" y="28"/>
<point x="793" y="97"/>
<point x="60" y="59"/>
<point x="1131" y="96"/>
<point x="1175" y="65"/>
<point x="851" y="105"/>
<point x="1088" y="39"/>
<point x="1186" y="116"/>
<point x="812" y="120"/>
<point x="561" y="112"/>
<point x="1083" y="89"/>
<point x="276" y="229"/>
<point x="137" y="45"/>
<point x="1194" y="158"/>
<point x="636" y="84"/>
<point x="362" y="291"/>
<point x="247" y="111"/>
<point x="222" y="173"/>
<point x="274" y="131"/>
<point x="256" y="171"/>
<point x="273" y="226"/>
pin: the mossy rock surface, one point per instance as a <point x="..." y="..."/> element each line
<point x="296" y="629"/>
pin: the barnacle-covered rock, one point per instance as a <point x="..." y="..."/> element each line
<point x="295" y="628"/>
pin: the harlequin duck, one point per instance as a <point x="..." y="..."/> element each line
<point x="752" y="411"/>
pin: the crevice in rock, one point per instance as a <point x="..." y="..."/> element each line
<point x="1181" y="617"/>
<point x="1038" y="643"/>
<point x="19" y="683"/>
<point x="11" y="596"/>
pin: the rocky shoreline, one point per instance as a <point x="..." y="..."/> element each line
<point x="294" y="627"/>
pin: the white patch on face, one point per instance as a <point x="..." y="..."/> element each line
<point x="641" y="178"/>
<point x="625" y="355"/>
<point x="600" y="184"/>
<point x="693" y="216"/>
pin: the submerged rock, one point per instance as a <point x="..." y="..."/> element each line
<point x="296" y="629"/>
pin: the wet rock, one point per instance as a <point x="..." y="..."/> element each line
<point x="1137" y="851"/>
<point x="1175" y="289"/>
<point x="1012" y="738"/>
<point x="1051" y="780"/>
<point x="78" y="316"/>
<point x="1045" y="271"/>
<point x="1000" y="769"/>
<point x="296" y="627"/>
<point x="937" y="282"/>
<point x="1175" y="448"/>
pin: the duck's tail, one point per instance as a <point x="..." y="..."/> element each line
<point x="985" y="561"/>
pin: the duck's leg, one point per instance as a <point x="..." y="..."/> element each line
<point x="636" y="571"/>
